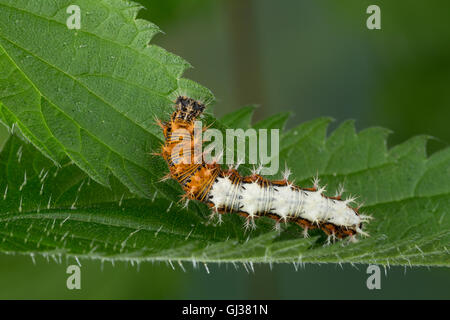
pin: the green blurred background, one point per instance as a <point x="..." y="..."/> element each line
<point x="313" y="58"/>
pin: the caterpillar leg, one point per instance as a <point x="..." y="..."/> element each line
<point x="216" y="215"/>
<point x="277" y="226"/>
<point x="331" y="239"/>
<point x="306" y="226"/>
<point x="305" y="232"/>
<point x="249" y="223"/>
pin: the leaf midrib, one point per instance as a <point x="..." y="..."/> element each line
<point x="80" y="217"/>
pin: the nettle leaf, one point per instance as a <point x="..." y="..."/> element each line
<point x="77" y="179"/>
<point x="241" y="118"/>
<point x="54" y="211"/>
<point x="93" y="93"/>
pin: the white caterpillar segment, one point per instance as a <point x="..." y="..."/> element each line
<point x="285" y="202"/>
<point x="255" y="199"/>
<point x="225" y="195"/>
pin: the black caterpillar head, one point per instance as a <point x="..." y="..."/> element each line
<point x="187" y="109"/>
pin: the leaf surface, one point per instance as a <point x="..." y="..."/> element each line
<point x="92" y="94"/>
<point x="77" y="177"/>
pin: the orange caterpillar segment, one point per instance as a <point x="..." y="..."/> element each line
<point x="195" y="178"/>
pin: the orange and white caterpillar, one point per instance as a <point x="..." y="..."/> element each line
<point x="251" y="196"/>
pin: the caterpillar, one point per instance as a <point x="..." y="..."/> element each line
<point x="253" y="196"/>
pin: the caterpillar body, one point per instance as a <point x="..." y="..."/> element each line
<point x="226" y="191"/>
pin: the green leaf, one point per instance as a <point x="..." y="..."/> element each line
<point x="241" y="118"/>
<point x="77" y="178"/>
<point x="407" y="194"/>
<point x="54" y="211"/>
<point x="277" y="121"/>
<point x="93" y="93"/>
